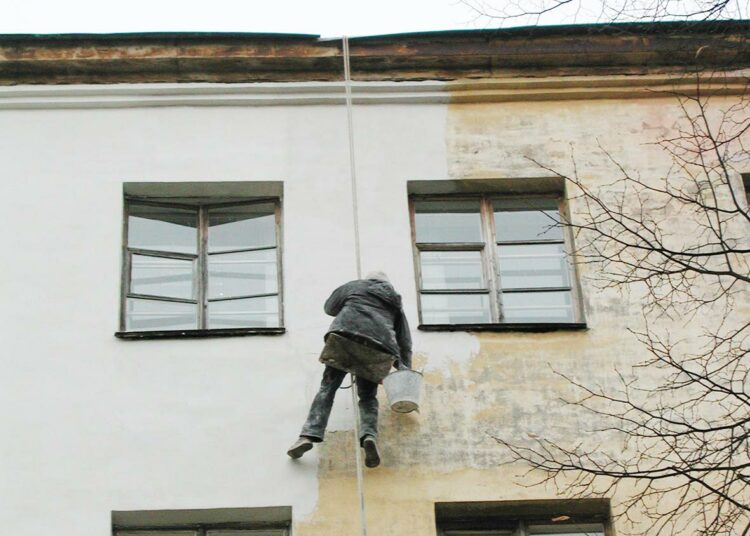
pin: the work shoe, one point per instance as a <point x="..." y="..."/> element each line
<point x="372" y="456"/>
<point x="302" y="445"/>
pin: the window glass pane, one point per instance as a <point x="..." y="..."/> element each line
<point x="245" y="313"/>
<point x="162" y="228"/>
<point x="588" y="529"/>
<point x="531" y="219"/>
<point x="154" y="315"/>
<point x="241" y="227"/>
<point x="480" y="533"/>
<point x="242" y="274"/>
<point x="533" y="266"/>
<point x="455" y="309"/>
<point x="462" y="532"/>
<point x="247" y="532"/>
<point x="445" y="221"/>
<point x="537" y="307"/>
<point x="452" y="270"/>
<point x="159" y="276"/>
<point x="156" y="533"/>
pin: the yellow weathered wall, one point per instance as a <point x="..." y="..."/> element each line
<point x="508" y="387"/>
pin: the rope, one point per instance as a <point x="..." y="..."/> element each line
<point x="352" y="164"/>
<point x="355" y="211"/>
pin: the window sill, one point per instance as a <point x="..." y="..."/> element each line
<point x="198" y="333"/>
<point x="541" y="327"/>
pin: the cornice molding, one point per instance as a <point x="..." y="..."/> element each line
<point x="369" y="93"/>
<point x="216" y="58"/>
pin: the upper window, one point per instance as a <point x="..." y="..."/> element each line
<point x="201" y="266"/>
<point x="490" y="260"/>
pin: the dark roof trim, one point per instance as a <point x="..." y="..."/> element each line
<point x="636" y="48"/>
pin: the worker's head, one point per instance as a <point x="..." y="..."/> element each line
<point x="379" y="275"/>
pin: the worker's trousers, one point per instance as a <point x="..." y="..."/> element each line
<point x="320" y="410"/>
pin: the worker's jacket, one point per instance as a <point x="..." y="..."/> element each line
<point x="370" y="310"/>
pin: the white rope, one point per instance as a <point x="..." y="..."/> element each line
<point x="355" y="210"/>
<point x="352" y="164"/>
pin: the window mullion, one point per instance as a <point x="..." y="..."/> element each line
<point x="279" y="260"/>
<point x="489" y="264"/>
<point x="201" y="282"/>
<point x="570" y="264"/>
<point x="126" y="268"/>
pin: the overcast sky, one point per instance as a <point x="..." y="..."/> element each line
<point x="329" y="18"/>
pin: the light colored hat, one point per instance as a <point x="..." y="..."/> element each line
<point x="379" y="275"/>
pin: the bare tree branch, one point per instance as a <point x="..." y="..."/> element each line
<point x="683" y="414"/>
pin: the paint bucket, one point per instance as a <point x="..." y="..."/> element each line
<point x="403" y="388"/>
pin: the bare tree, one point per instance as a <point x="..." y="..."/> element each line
<point x="683" y="414"/>
<point x="685" y="458"/>
<point x="576" y="11"/>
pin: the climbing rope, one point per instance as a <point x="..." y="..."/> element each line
<point x="355" y="212"/>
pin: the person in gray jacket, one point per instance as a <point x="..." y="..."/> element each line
<point x="368" y="334"/>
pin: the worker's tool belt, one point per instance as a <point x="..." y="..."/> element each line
<point x="357" y="357"/>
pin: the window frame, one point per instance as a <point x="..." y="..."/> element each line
<point x="520" y="517"/>
<point x="490" y="266"/>
<point x="200" y="276"/>
<point x="200" y="529"/>
<point x="522" y="527"/>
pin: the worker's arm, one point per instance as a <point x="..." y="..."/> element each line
<point x="337" y="299"/>
<point x="403" y="338"/>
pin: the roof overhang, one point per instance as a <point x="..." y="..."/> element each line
<point x="452" y="55"/>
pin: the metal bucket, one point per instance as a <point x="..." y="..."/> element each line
<point x="403" y="388"/>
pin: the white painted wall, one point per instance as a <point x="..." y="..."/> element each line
<point x="93" y="424"/>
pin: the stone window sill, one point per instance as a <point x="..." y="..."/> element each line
<point x="531" y="327"/>
<point x="197" y="333"/>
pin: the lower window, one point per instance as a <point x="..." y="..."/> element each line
<point x="582" y="517"/>
<point x="590" y="529"/>
<point x="202" y="531"/>
<point x="261" y="521"/>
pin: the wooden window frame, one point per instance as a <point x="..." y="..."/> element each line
<point x="200" y="282"/>
<point x="522" y="527"/>
<point x="490" y="268"/>
<point x="201" y="529"/>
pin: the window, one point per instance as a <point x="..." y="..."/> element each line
<point x="201" y="530"/>
<point x="261" y="521"/>
<point x="493" y="260"/>
<point x="525" y="529"/>
<point x="580" y="517"/>
<point x="192" y="266"/>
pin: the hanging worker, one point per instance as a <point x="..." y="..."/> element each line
<point x="368" y="336"/>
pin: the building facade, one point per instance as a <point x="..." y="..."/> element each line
<point x="179" y="207"/>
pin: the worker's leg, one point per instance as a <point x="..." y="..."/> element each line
<point x="368" y="408"/>
<point x="368" y="418"/>
<point x="320" y="410"/>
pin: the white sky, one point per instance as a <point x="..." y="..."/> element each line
<point x="329" y="18"/>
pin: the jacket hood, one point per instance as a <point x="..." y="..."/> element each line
<point x="384" y="291"/>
